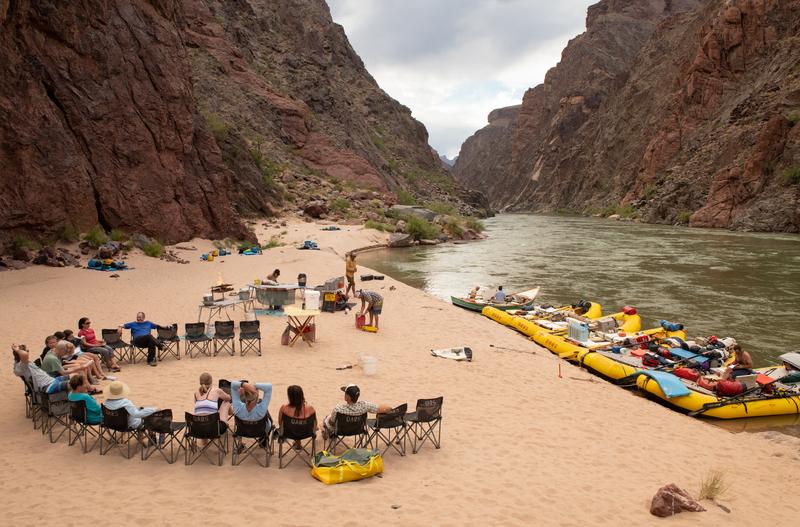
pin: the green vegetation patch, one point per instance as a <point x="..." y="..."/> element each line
<point x="379" y="226"/>
<point x="340" y="205"/>
<point x="405" y="198"/>
<point x="69" y="234"/>
<point x="153" y="249"/>
<point x="684" y="216"/>
<point x="95" y="237"/>
<point x="421" y="229"/>
<point x="791" y="175"/>
<point x="441" y="207"/>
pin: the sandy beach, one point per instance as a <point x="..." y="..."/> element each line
<point x="520" y="445"/>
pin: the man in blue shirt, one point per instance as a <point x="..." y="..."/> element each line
<point x="500" y="295"/>
<point x="141" y="337"/>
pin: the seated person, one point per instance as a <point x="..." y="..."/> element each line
<point x="473" y="294"/>
<point x="792" y="374"/>
<point x="34" y="374"/>
<point x="79" y="391"/>
<point x="90" y="343"/>
<point x="500" y="295"/>
<point x="79" y="357"/>
<point x="209" y="399"/>
<point x="351" y="406"/>
<point x="117" y="399"/>
<point x="246" y="404"/>
<point x="141" y="337"/>
<point x="53" y="363"/>
<point x="296" y="407"/>
<point x="742" y="364"/>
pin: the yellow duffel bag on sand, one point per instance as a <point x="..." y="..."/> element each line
<point x="352" y="465"/>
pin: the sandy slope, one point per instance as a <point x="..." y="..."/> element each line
<point x="520" y="444"/>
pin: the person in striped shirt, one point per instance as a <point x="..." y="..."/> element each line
<point x="371" y="302"/>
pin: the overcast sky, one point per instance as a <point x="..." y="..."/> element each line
<point x="454" y="61"/>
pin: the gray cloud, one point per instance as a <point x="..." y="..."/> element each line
<point x="453" y="61"/>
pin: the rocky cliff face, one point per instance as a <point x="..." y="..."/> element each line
<point x="680" y="111"/>
<point x="173" y="118"/>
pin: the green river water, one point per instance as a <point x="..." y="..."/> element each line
<point x="715" y="282"/>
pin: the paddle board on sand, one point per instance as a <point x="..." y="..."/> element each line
<point x="454" y="353"/>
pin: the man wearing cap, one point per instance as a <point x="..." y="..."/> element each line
<point x="117" y="399"/>
<point x="351" y="406"/>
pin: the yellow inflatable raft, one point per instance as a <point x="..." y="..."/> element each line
<point x="725" y="407"/>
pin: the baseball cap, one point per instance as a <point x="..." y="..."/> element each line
<point x="352" y="391"/>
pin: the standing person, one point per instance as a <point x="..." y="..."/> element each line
<point x="350" y="269"/>
<point x="209" y="399"/>
<point x="91" y="344"/>
<point x="141" y="337"/>
<point x="372" y="302"/>
<point x="79" y="391"/>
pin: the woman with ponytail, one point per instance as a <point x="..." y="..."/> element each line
<point x="209" y="399"/>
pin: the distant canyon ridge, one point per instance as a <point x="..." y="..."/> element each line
<point x="672" y="111"/>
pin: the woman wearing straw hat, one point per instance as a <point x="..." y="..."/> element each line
<point x="117" y="398"/>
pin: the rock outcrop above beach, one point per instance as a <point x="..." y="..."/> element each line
<point x="675" y="111"/>
<point x="176" y="118"/>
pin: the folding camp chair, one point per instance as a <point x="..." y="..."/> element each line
<point x="136" y="351"/>
<point x="28" y="392"/>
<point x="294" y="429"/>
<point x="122" y="350"/>
<point x="249" y="337"/>
<point x="115" y="432"/>
<point x="165" y="436"/>
<point x="223" y="337"/>
<point x="79" y="429"/>
<point x="389" y="430"/>
<point x="56" y="408"/>
<point x="196" y="338"/>
<point x="426" y="423"/>
<point x="207" y="427"/>
<point x="170" y="342"/>
<point x="38" y="414"/>
<point x="250" y="437"/>
<point x="354" y="426"/>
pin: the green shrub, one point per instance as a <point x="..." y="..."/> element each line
<point x="217" y="126"/>
<point x="118" y="236"/>
<point x="405" y="198"/>
<point x="95" y="237"/>
<point x="23" y="242"/>
<point x="474" y="223"/>
<point x="273" y="242"/>
<point x="69" y="234"/>
<point x="626" y="211"/>
<point x="421" y="229"/>
<point x="340" y="205"/>
<point x="269" y="169"/>
<point x="684" y="216"/>
<point x="441" y="207"/>
<point x="453" y="227"/>
<point x="650" y="192"/>
<point x="791" y="175"/>
<point x="793" y="119"/>
<point x="378" y="226"/>
<point x="153" y="249"/>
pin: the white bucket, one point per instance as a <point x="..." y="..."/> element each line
<point x="312" y="299"/>
<point x="369" y="365"/>
<point x="249" y="315"/>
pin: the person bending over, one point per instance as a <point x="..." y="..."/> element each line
<point x="142" y="337"/>
<point x="371" y="302"/>
<point x="79" y="391"/>
<point x="246" y="404"/>
<point x="91" y="344"/>
<point x="209" y="399"/>
<point x="29" y="371"/>
<point x="351" y="406"/>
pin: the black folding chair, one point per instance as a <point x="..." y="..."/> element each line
<point x="122" y="350"/>
<point x="115" y="432"/>
<point x="137" y="351"/>
<point x="164" y="435"/>
<point x="79" y="430"/>
<point x="170" y="342"/>
<point x="352" y="426"/>
<point x="38" y="414"/>
<point x="389" y="430"/>
<point x="209" y="428"/>
<point x="196" y="339"/>
<point x="250" y="438"/>
<point x="224" y="337"/>
<point x="426" y="423"/>
<point x="304" y="431"/>
<point x="28" y="392"/>
<point x="249" y="337"/>
<point x="56" y="408"/>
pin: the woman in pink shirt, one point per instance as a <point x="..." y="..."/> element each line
<point x="90" y="343"/>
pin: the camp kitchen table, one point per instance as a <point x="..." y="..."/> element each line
<point x="296" y="326"/>
<point x="217" y="308"/>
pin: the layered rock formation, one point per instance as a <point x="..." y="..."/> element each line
<point x="173" y="118"/>
<point x="684" y="111"/>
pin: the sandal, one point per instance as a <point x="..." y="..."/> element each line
<point x="95" y="392"/>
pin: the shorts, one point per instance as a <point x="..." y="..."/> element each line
<point x="59" y="384"/>
<point x="377" y="307"/>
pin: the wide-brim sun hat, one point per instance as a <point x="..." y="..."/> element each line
<point x="118" y="390"/>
